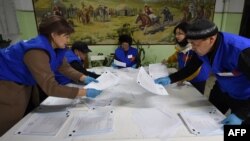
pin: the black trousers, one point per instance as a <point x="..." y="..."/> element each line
<point x="224" y="102"/>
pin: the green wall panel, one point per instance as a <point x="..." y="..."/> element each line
<point x="27" y="24"/>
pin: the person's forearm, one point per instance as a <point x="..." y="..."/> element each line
<point x="193" y="65"/>
<point x="40" y="69"/>
<point x="69" y="72"/>
<point x="77" y="66"/>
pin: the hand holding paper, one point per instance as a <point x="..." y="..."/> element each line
<point x="148" y="83"/>
<point x="92" y="93"/>
<point x="106" y="80"/>
<point x="232" y="119"/>
<point x="163" y="81"/>
<point x="89" y="79"/>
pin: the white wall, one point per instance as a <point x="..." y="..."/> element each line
<point x="235" y="6"/>
<point x="24" y="5"/>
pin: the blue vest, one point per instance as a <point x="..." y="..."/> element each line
<point x="237" y="85"/>
<point x="124" y="57"/>
<point x="13" y="67"/>
<point x="70" y="57"/>
<point x="183" y="59"/>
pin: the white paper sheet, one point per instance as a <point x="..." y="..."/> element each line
<point x="56" y="104"/>
<point x="106" y="80"/>
<point x="203" y="122"/>
<point x="75" y="85"/>
<point x="92" y="122"/>
<point x="119" y="63"/>
<point x="157" y="70"/>
<point x="45" y="124"/>
<point x="101" y="70"/>
<point x="58" y="101"/>
<point x="94" y="103"/>
<point x="154" y="123"/>
<point x="148" y="83"/>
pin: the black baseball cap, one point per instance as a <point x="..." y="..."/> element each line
<point x="81" y="46"/>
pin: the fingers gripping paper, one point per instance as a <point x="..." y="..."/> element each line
<point x="147" y="82"/>
<point x="106" y="80"/>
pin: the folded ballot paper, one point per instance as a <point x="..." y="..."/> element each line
<point x="106" y="80"/>
<point x="147" y="82"/>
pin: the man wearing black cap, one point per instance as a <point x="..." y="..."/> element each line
<point x="228" y="55"/>
<point x="75" y="57"/>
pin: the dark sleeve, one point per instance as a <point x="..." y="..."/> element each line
<point x="244" y="62"/>
<point x="192" y="66"/>
<point x="138" y="61"/>
<point x="78" y="66"/>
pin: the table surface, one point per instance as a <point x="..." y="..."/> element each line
<point x="129" y="98"/>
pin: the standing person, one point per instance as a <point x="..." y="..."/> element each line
<point x="126" y="53"/>
<point x="228" y="55"/>
<point x="26" y="64"/>
<point x="76" y="57"/>
<point x="184" y="56"/>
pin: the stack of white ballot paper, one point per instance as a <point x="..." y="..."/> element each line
<point x="92" y="122"/>
<point x="106" y="80"/>
<point x="147" y="82"/>
<point x="154" y="123"/>
<point x="44" y="124"/>
<point x="157" y="70"/>
<point x="92" y="103"/>
<point x="205" y="121"/>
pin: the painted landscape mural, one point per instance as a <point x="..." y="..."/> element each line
<point x="147" y="21"/>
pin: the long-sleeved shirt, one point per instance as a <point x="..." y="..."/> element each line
<point x="79" y="67"/>
<point x="37" y="62"/>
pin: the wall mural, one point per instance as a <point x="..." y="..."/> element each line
<point x="102" y="21"/>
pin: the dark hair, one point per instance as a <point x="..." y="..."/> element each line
<point x="55" y="24"/>
<point x="80" y="46"/>
<point x="183" y="26"/>
<point x="125" y="38"/>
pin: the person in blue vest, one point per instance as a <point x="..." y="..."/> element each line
<point x="125" y="53"/>
<point x="75" y="57"/>
<point x="184" y="54"/>
<point x="228" y="55"/>
<point x="33" y="62"/>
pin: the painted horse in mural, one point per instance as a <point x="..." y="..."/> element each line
<point x="146" y="21"/>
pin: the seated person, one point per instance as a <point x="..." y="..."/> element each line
<point x="75" y="57"/>
<point x="126" y="53"/>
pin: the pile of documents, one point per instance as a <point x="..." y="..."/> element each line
<point x="203" y="122"/>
